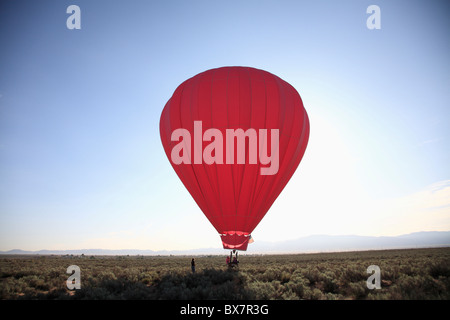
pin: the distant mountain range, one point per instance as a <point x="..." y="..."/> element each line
<point x="314" y="243"/>
<point x="327" y="243"/>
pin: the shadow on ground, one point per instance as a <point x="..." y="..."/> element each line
<point x="208" y="284"/>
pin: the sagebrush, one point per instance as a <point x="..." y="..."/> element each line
<point x="405" y="274"/>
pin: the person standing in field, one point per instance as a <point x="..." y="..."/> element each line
<point x="193" y="265"/>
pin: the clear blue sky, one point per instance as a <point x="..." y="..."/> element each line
<point x="81" y="162"/>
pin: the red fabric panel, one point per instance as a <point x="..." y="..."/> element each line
<point x="235" y="197"/>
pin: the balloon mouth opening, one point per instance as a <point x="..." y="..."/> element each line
<point x="235" y="240"/>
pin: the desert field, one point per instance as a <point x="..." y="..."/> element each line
<point x="422" y="274"/>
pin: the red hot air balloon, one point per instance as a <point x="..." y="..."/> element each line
<point x="235" y="136"/>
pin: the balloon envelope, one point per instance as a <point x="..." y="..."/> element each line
<point x="234" y="136"/>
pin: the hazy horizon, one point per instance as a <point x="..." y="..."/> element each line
<point x="340" y="243"/>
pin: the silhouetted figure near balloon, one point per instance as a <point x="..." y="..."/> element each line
<point x="232" y="261"/>
<point x="193" y="265"/>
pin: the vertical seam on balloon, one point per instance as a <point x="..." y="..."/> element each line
<point x="261" y="212"/>
<point x="251" y="102"/>
<point x="258" y="174"/>
<point x="305" y="125"/>
<point x="305" y="129"/>
<point x="190" y="147"/>
<point x="170" y="127"/>
<point x="282" y="182"/>
<point x="211" y="215"/>
<point x="192" y="167"/>
<point x="231" y="168"/>
<point x="278" y="179"/>
<point x="243" y="169"/>
<point x="215" y="164"/>
<point x="237" y="197"/>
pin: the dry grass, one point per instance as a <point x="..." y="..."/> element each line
<point x="406" y="274"/>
